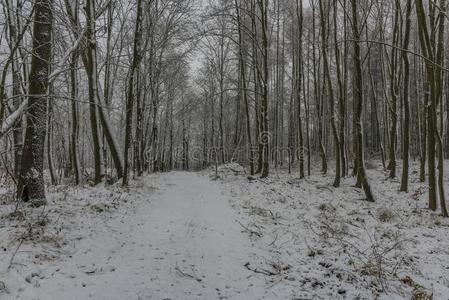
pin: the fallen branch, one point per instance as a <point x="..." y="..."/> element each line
<point x="184" y="274"/>
<point x="15" y="253"/>
<point x="260" y="271"/>
<point x="250" y="231"/>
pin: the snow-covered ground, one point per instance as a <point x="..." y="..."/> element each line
<point x="195" y="236"/>
<point x="329" y="243"/>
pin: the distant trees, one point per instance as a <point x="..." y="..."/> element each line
<point x="320" y="70"/>
<point x="266" y="83"/>
<point x="167" y="44"/>
<point x="432" y="45"/>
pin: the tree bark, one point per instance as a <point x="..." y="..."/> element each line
<point x="358" y="98"/>
<point x="91" y="69"/>
<point x="130" y="97"/>
<point x="405" y="96"/>
<point x="330" y="89"/>
<point x="31" y="182"/>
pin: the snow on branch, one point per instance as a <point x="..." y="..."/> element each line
<point x="59" y="68"/>
<point x="12" y="119"/>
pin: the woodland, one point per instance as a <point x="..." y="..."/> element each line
<point x="350" y="96"/>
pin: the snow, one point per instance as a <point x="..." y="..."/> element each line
<point x="185" y="235"/>
<point x="12" y="118"/>
<point x="60" y="66"/>
<point x="335" y="244"/>
<point x="182" y="244"/>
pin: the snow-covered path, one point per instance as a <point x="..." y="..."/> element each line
<point x="184" y="243"/>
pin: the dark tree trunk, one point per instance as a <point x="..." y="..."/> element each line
<point x="91" y="70"/>
<point x="130" y="97"/>
<point x="358" y="98"/>
<point x="406" y="134"/>
<point x="31" y="182"/>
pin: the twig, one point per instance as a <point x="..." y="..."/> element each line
<point x="259" y="234"/>
<point x="15" y="252"/>
<point x="274" y="241"/>
<point x="260" y="271"/>
<point x="184" y="274"/>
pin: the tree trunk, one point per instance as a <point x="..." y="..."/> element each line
<point x="130" y="97"/>
<point x="265" y="134"/>
<point x="74" y="111"/>
<point x="406" y="134"/>
<point x="31" y="182"/>
<point x="298" y="59"/>
<point x="244" y="90"/>
<point x="427" y="49"/>
<point x="358" y="98"/>
<point x="330" y="89"/>
<point x="50" y="138"/>
<point x="91" y="69"/>
<point x="394" y="92"/>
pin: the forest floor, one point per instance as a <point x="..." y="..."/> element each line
<point x="200" y="236"/>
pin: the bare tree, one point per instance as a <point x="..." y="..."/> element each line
<point x="358" y="97"/>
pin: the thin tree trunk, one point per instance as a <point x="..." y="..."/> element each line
<point x="50" y="138"/>
<point x="341" y="95"/>
<point x="440" y="85"/>
<point x="74" y="112"/>
<point x="318" y="97"/>
<point x="16" y="88"/>
<point x="130" y="97"/>
<point x="394" y="93"/>
<point x="298" y="84"/>
<point x="265" y="135"/>
<point x="358" y="96"/>
<point x="427" y="50"/>
<point x="406" y="134"/>
<point x="330" y="90"/>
